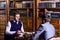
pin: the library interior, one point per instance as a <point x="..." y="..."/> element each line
<point x="33" y="14"/>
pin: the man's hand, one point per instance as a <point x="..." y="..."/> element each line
<point x="18" y="32"/>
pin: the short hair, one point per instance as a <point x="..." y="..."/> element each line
<point x="16" y="14"/>
<point x="48" y="14"/>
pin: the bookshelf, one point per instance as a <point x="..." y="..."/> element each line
<point x="30" y="11"/>
<point x="26" y="11"/>
<point x="3" y="17"/>
<point x="24" y="7"/>
<point x="49" y="5"/>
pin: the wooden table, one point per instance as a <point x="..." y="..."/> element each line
<point x="24" y="36"/>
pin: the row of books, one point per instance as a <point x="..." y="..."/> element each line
<point x="49" y="5"/>
<point x="11" y="5"/>
<point x="23" y="13"/>
<point x="24" y="4"/>
<point x="2" y="12"/>
<point x="2" y="4"/>
<point x="22" y="0"/>
<point x="53" y="14"/>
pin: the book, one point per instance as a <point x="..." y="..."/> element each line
<point x="40" y="5"/>
<point x="27" y="4"/>
<point x="2" y="12"/>
<point x="54" y="5"/>
<point x="55" y="15"/>
<point x="11" y="5"/>
<point x="46" y="4"/>
<point x="12" y="12"/>
<point x="57" y="4"/>
<point x="2" y="4"/>
<point x="23" y="13"/>
<point x="30" y="13"/>
<point x="18" y="5"/>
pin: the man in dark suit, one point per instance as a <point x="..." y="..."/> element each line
<point x="13" y="26"/>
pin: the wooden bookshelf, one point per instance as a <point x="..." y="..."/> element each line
<point x="26" y="17"/>
<point x="56" y="8"/>
<point x="30" y="15"/>
<point x="3" y="17"/>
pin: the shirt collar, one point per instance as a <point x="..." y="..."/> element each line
<point x="16" y="22"/>
<point x="46" y="23"/>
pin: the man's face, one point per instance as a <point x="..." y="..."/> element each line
<point x="17" y="17"/>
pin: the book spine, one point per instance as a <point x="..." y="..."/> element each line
<point x="47" y="5"/>
<point x="2" y="12"/>
<point x="18" y="5"/>
<point x="2" y="4"/>
<point x="57" y="4"/>
<point x="27" y="4"/>
<point x="11" y="5"/>
<point x="41" y="5"/>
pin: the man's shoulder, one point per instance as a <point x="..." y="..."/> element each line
<point x="11" y="21"/>
<point x="20" y="21"/>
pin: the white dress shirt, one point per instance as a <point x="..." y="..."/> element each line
<point x="47" y="28"/>
<point x="8" y="27"/>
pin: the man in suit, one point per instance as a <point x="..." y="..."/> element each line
<point x="13" y="26"/>
<point x="45" y="30"/>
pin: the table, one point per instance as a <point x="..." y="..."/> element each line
<point x="24" y="36"/>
